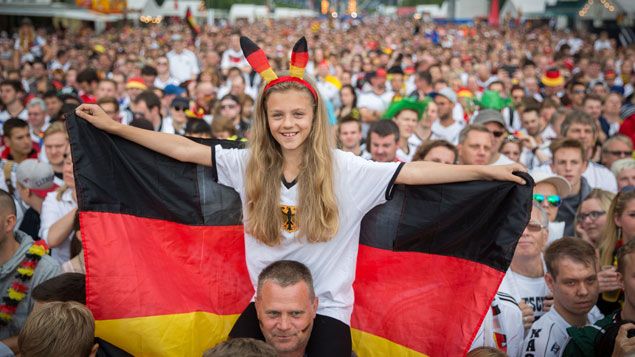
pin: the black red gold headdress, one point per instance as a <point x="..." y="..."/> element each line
<point x="258" y="61"/>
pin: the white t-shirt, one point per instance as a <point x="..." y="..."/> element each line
<point x="556" y="231"/>
<point x="4" y="116"/>
<point x="450" y="133"/>
<point x="502" y="327"/>
<point x="360" y="185"/>
<point x="412" y="148"/>
<point x="596" y="175"/>
<point x="158" y="83"/>
<point x="52" y="210"/>
<point x="183" y="66"/>
<point x="532" y="291"/>
<point x="502" y="160"/>
<point x="548" y="336"/>
<point x="233" y="58"/>
<point x="370" y="100"/>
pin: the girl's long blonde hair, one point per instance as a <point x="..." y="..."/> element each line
<point x="317" y="213"/>
<point x="612" y="231"/>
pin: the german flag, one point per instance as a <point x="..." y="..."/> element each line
<point x="191" y="22"/>
<point x="165" y="260"/>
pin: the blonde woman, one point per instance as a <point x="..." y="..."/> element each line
<point x="302" y="199"/>
<point x="620" y="229"/>
<point x="591" y="218"/>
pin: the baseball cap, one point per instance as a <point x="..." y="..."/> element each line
<point x="34" y="174"/>
<point x="489" y="116"/>
<point x="180" y="101"/>
<point x="448" y="93"/>
<point x="560" y="183"/>
<point x="172" y="89"/>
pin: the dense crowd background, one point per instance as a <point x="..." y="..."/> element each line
<point x="559" y="102"/>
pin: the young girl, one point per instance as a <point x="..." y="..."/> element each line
<point x="302" y="199"/>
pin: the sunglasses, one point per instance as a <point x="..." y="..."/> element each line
<point x="534" y="226"/>
<point x="593" y="215"/>
<point x="553" y="200"/>
<point x="498" y="134"/>
<point x="620" y="153"/>
<point x="180" y="108"/>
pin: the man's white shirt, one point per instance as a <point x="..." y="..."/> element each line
<point x="450" y="133"/>
<point x="502" y="327"/>
<point x="548" y="336"/>
<point x="532" y="291"/>
<point x="183" y="66"/>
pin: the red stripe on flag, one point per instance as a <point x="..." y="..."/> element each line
<point x="429" y="303"/>
<point x="145" y="267"/>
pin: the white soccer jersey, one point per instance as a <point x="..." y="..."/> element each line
<point x="359" y="186"/>
<point x="502" y="327"/>
<point x="450" y="133"/>
<point x="548" y="336"/>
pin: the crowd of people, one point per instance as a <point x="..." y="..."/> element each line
<point x="560" y="103"/>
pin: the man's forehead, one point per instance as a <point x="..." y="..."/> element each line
<point x="275" y="294"/>
<point x="478" y="137"/>
<point x="574" y="269"/>
<point x="580" y="126"/>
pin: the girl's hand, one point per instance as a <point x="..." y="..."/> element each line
<point x="97" y="116"/>
<point x="505" y="173"/>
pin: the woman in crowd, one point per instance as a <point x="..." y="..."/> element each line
<point x="620" y="228"/>
<point x="348" y="98"/>
<point x="512" y="147"/>
<point x="591" y="217"/>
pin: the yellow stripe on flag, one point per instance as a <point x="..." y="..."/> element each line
<point x="369" y="345"/>
<point x="191" y="334"/>
<point x="188" y="334"/>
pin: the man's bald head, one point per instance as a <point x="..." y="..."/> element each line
<point x="7" y="205"/>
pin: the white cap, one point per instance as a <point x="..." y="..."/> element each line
<point x="560" y="183"/>
<point x="35" y="174"/>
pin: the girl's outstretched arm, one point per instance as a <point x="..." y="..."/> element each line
<point x="428" y="173"/>
<point x="174" y="146"/>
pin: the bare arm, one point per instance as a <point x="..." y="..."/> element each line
<point x="174" y="146"/>
<point x="429" y="173"/>
<point x="60" y="230"/>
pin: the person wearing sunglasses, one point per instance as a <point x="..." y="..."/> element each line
<point x="524" y="280"/>
<point x="549" y="190"/>
<point x="495" y="123"/>
<point x="176" y="121"/>
<point x="615" y="148"/>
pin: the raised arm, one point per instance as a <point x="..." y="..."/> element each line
<point x="429" y="173"/>
<point x="174" y="146"/>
